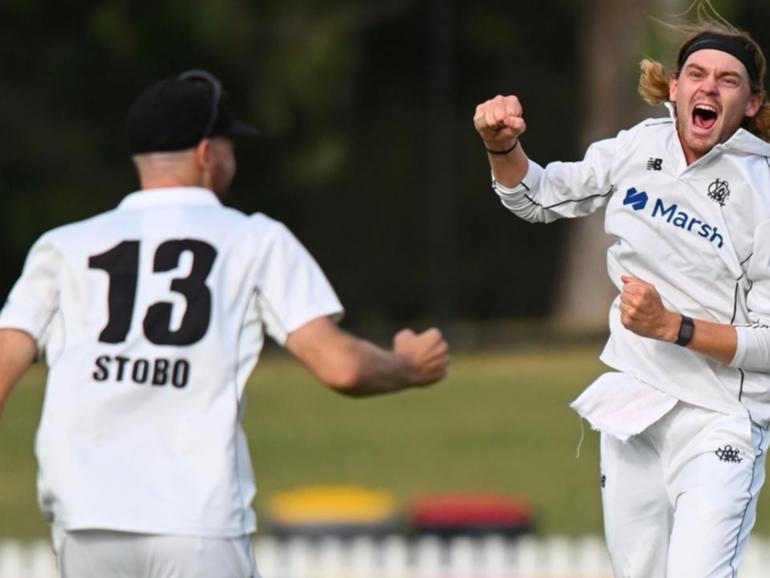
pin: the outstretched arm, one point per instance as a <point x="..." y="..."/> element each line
<point x="357" y="367"/>
<point x="17" y="352"/>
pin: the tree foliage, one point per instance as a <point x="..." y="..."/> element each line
<point x="340" y="91"/>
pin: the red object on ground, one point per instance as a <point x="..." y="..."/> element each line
<point x="472" y="511"/>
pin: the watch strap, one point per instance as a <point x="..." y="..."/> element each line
<point x="686" y="330"/>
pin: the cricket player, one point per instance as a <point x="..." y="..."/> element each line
<point x="152" y="316"/>
<point x="684" y="415"/>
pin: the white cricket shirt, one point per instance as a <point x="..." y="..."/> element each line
<point x="153" y="315"/>
<point x="700" y="234"/>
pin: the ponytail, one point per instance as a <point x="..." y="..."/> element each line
<point x="653" y="82"/>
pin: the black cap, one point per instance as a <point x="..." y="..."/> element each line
<point x="177" y="113"/>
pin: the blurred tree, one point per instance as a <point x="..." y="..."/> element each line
<point x="441" y="162"/>
<point x="354" y="150"/>
<point x="351" y="120"/>
<point x="613" y="35"/>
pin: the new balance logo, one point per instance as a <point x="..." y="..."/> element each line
<point x="637" y="200"/>
<point x="654" y="164"/>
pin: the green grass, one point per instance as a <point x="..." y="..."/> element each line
<point x="500" y="422"/>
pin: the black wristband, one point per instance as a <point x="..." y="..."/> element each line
<point x="686" y="330"/>
<point x="505" y="152"/>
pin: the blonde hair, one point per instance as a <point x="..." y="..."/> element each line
<point x="654" y="80"/>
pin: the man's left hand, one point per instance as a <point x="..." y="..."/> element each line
<point x="642" y="311"/>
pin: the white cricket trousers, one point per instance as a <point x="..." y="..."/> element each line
<point x="680" y="498"/>
<point x="108" y="554"/>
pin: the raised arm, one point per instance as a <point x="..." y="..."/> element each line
<point x="532" y="192"/>
<point x="500" y="123"/>
<point x="17" y="352"/>
<point x="356" y="367"/>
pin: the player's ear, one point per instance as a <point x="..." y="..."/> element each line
<point x="202" y="154"/>
<point x="753" y="105"/>
<point x="672" y="86"/>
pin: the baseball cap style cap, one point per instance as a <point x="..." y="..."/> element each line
<point x="177" y="113"/>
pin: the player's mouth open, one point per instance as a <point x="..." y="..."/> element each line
<point x="704" y="116"/>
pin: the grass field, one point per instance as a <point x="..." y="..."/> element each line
<point x="500" y="422"/>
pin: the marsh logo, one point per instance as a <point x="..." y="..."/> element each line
<point x="673" y="215"/>
<point x="636" y="199"/>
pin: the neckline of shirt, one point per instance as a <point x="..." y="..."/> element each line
<point x="169" y="196"/>
<point x="741" y="141"/>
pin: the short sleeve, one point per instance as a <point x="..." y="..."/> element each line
<point x="35" y="297"/>
<point x="292" y="290"/>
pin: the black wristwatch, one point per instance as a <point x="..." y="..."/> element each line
<point x="686" y="330"/>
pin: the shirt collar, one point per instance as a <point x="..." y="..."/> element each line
<point x="671" y="110"/>
<point x="169" y="196"/>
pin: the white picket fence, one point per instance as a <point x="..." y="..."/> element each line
<point x="395" y="557"/>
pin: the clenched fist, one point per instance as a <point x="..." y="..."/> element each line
<point x="642" y="311"/>
<point x="500" y="122"/>
<point x="426" y="353"/>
